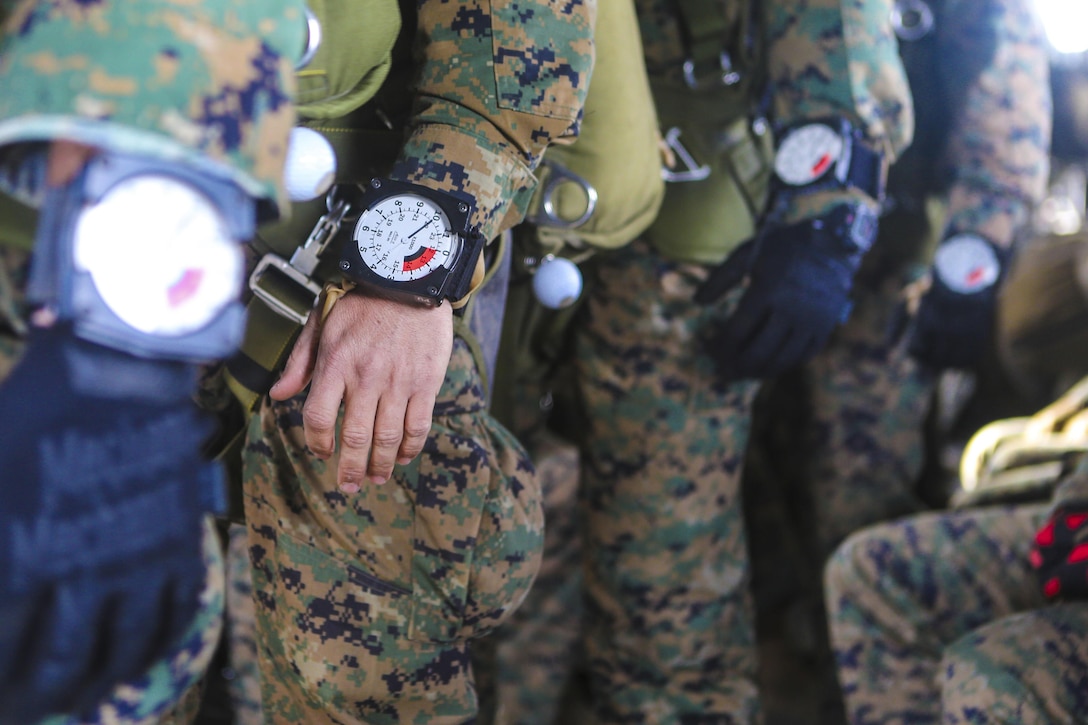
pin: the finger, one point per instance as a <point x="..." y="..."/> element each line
<point x="320" y="412"/>
<point x="725" y="276"/>
<point x="356" y="439"/>
<point x="388" y="434"/>
<point x="417" y="426"/>
<point x="299" y="370"/>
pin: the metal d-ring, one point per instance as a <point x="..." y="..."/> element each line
<point x="912" y="19"/>
<point x="313" y="39"/>
<point x="548" y="215"/>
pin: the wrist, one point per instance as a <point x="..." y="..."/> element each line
<point x="413" y="242"/>
<point x="827" y="154"/>
<point x="799" y="206"/>
<point x="968" y="264"/>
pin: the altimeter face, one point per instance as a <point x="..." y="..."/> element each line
<point x="807" y="154"/>
<point x="159" y="255"/>
<point x="406" y="237"/>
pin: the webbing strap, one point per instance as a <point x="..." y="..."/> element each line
<point x="266" y="345"/>
<point x="711" y="27"/>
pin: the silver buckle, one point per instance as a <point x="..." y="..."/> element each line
<point x="287" y="287"/>
<point x="728" y="77"/>
<point x="693" y="171"/>
<point x="266" y="282"/>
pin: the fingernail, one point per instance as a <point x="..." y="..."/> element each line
<point x="347" y="487"/>
<point x="378" y="480"/>
<point x="404" y="461"/>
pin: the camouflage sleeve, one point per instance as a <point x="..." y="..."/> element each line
<point x="840" y="58"/>
<point x="499" y="82"/>
<point x="999" y="144"/>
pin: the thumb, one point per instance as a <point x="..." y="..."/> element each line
<point x="300" y="365"/>
<point x="726" y="275"/>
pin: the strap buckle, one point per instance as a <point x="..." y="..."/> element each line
<point x="692" y="170"/>
<point x="288" y="287"/>
<point x="286" y="290"/>
<point x="729" y="76"/>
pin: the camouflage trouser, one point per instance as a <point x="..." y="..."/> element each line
<point x="845" y="431"/>
<point x="939" y="618"/>
<point x="170" y="691"/>
<point x="839" y="444"/>
<point x="366" y="602"/>
<point x="669" y="621"/>
<point x="867" y="407"/>
<point x="245" y="685"/>
<point x="528" y="661"/>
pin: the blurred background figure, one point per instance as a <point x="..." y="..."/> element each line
<point x="126" y="280"/>
<point x="857" y="435"/>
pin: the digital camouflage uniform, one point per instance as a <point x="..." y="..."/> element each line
<point x="669" y="622"/>
<point x="366" y="602"/>
<point x="133" y="81"/>
<point x="940" y="618"/>
<point x="842" y="438"/>
<point x="983" y="140"/>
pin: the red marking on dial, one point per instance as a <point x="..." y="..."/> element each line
<point x="821" y="166"/>
<point x="187" y="285"/>
<point x="975" y="276"/>
<point x="419" y="259"/>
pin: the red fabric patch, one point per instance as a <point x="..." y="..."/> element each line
<point x="1035" y="558"/>
<point x="1045" y="535"/>
<point x="1073" y="521"/>
<point x="1079" y="553"/>
<point x="1052" y="588"/>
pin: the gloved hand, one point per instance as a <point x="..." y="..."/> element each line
<point x="104" y="489"/>
<point x="954" y="324"/>
<point x="1060" y="553"/>
<point x="800" y="278"/>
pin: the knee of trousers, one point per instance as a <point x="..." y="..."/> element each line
<point x="848" y="574"/>
<point x="366" y="601"/>
<point x="1026" y="667"/>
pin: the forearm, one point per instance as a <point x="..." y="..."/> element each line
<point x="496" y="88"/>
<point x="1000" y="139"/>
<point x="830" y="58"/>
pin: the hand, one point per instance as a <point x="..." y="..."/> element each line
<point x="1060" y="553"/>
<point x="954" y="324"/>
<point x="100" y="532"/>
<point x="800" y="278"/>
<point x="385" y="360"/>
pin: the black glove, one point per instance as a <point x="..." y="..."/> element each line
<point x="799" y="291"/>
<point x="104" y="489"/>
<point x="954" y="325"/>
